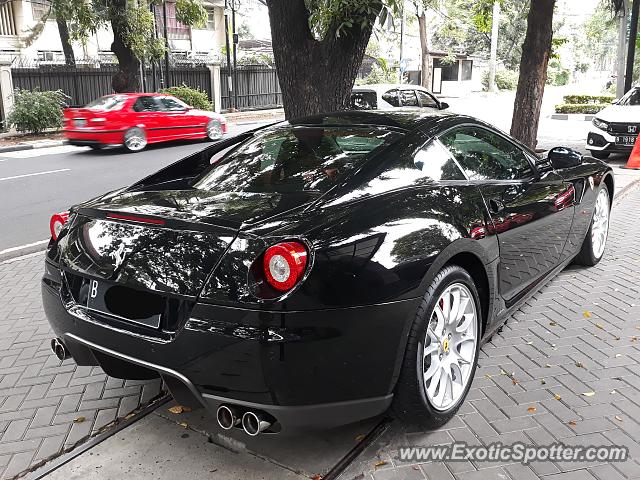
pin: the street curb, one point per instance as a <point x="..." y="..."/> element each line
<point x="575" y="117"/>
<point x="33" y="146"/>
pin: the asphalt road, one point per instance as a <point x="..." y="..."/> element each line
<point x="34" y="184"/>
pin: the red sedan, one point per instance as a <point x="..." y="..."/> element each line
<point x="137" y="119"/>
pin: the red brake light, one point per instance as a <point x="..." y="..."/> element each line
<point x="57" y="222"/>
<point x="284" y="265"/>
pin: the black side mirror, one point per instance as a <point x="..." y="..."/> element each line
<point x="563" y="157"/>
<point x="444" y="105"/>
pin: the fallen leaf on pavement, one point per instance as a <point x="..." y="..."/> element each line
<point x="543" y="382"/>
<point x="359" y="438"/>
<point x="487" y="376"/>
<point x="553" y="324"/>
<point x="587" y="314"/>
<point x="130" y="416"/>
<point x="580" y="365"/>
<point x="184" y="424"/>
<point x="557" y="397"/>
<point x="178" y="409"/>
<point x="316" y="477"/>
<point x="612" y="392"/>
<point x="600" y="326"/>
<point x="547" y="366"/>
<point x="531" y="409"/>
<point x="380" y="463"/>
<point x="79" y="420"/>
<point x="572" y="423"/>
<point x="589" y="394"/>
<point x="619" y="418"/>
<point x="618" y="355"/>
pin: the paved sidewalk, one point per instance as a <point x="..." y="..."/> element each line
<point x="580" y="334"/>
<point x="47" y="405"/>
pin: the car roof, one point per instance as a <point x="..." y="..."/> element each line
<point x="383" y="87"/>
<point x="400" y="118"/>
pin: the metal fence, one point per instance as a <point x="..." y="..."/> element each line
<point x="256" y="87"/>
<point x="84" y="83"/>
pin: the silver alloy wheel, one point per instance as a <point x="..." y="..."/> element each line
<point x="135" y="139"/>
<point x="600" y="225"/>
<point x="214" y="130"/>
<point x="450" y="346"/>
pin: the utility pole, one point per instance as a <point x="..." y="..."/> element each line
<point x="631" y="55"/>
<point x="493" y="64"/>
<point x="228" y="48"/>
<point x="235" y="53"/>
<point x="166" y="45"/>
<point x="154" y="80"/>
<point x="400" y="72"/>
<point x="622" y="48"/>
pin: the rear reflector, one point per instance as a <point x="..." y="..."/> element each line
<point x="135" y="218"/>
<point x="57" y="222"/>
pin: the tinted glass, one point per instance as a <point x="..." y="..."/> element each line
<point x="110" y="102"/>
<point x="409" y="98"/>
<point x="364" y="101"/>
<point x="467" y="69"/>
<point x="436" y="163"/>
<point x="391" y="97"/>
<point x="294" y="159"/>
<point x="449" y="69"/>
<point x="169" y="104"/>
<point x="146" y="104"/>
<point x="426" y="100"/>
<point x="485" y="155"/>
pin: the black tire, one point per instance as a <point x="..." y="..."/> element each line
<point x="410" y="404"/>
<point x="586" y="256"/>
<point x="599" y="154"/>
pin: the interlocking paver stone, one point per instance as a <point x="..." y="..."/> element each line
<point x="39" y="396"/>
<point x="554" y="367"/>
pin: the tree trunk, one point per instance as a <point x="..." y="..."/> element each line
<point x="63" y="30"/>
<point x="315" y="76"/>
<point x="533" y="72"/>
<point x="425" y="77"/>
<point x="126" y="79"/>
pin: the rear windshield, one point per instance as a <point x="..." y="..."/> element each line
<point x="294" y="159"/>
<point x="364" y="100"/>
<point x="110" y="102"/>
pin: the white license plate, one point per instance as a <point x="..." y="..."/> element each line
<point x="79" y="122"/>
<point x="626" y="140"/>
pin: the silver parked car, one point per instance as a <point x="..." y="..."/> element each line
<point x="385" y="96"/>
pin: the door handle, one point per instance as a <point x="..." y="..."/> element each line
<point x="496" y="205"/>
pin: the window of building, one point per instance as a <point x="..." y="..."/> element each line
<point x="467" y="69"/>
<point x="175" y="29"/>
<point x="211" y="20"/>
<point x="449" y="69"/>
<point x="39" y="9"/>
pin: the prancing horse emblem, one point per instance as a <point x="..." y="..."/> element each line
<point x="119" y="255"/>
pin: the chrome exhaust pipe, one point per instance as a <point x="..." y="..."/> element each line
<point x="228" y="417"/>
<point x="59" y="349"/>
<point x="255" y="423"/>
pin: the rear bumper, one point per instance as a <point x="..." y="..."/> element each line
<point x="94" y="137"/>
<point x="316" y="369"/>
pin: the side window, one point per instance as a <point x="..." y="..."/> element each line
<point x="364" y="100"/>
<point x="170" y="105"/>
<point x="146" y="104"/>
<point x="427" y="100"/>
<point x="436" y="163"/>
<point x="391" y="97"/>
<point x="409" y="98"/>
<point x="485" y="155"/>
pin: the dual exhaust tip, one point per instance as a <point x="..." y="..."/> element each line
<point x="253" y="423"/>
<point x="59" y="349"/>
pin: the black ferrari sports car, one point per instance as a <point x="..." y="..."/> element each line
<point x="320" y="271"/>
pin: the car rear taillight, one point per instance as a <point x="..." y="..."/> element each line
<point x="57" y="222"/>
<point x="284" y="265"/>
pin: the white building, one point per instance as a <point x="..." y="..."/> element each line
<point x="19" y="18"/>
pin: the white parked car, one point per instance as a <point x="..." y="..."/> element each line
<point x="384" y="96"/>
<point x="615" y="129"/>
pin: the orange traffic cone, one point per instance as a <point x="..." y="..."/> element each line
<point x="634" y="159"/>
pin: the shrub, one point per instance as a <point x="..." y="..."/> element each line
<point x="35" y="111"/>
<point x="588" y="99"/>
<point x="505" y="80"/>
<point x="193" y="97"/>
<point x="585" y="108"/>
